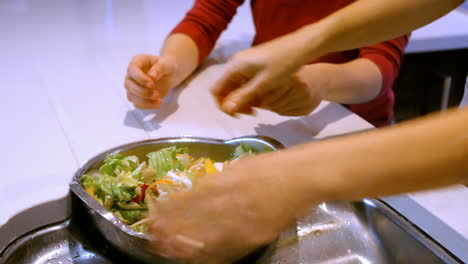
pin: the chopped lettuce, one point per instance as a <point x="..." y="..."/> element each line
<point x="87" y="181"/>
<point x="137" y="172"/>
<point x="106" y="185"/>
<point x="114" y="164"/>
<point x="141" y="228"/>
<point x="132" y="216"/>
<point x="164" y="160"/>
<point x="127" y="187"/>
<point x="243" y="150"/>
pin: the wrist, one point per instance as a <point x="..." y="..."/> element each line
<point x="317" y="77"/>
<point x="182" y="53"/>
<point x="302" y="180"/>
<point x="318" y="178"/>
<point x="175" y="71"/>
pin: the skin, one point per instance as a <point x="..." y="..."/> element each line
<point x="359" y="24"/>
<point x="149" y="77"/>
<point x="354" y="82"/>
<point x="249" y="204"/>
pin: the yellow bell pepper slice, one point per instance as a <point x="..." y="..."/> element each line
<point x="91" y="190"/>
<point x="209" y="167"/>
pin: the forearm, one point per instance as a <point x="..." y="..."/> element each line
<point x="366" y="22"/>
<point x="427" y="153"/>
<point x="354" y="82"/>
<point x="182" y="51"/>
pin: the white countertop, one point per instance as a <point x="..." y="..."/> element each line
<point x="447" y="33"/>
<point x="62" y="67"/>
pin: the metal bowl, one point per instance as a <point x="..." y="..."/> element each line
<point x="121" y="235"/>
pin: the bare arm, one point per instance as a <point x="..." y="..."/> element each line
<point x="427" y="153"/>
<point x="181" y="50"/>
<point x="361" y="23"/>
<point x="354" y="82"/>
<point x="367" y="22"/>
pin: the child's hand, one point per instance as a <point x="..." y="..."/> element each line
<point x="148" y="80"/>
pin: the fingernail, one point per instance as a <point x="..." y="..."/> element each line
<point x="149" y="84"/>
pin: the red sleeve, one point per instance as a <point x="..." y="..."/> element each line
<point x="205" y="22"/>
<point x="388" y="56"/>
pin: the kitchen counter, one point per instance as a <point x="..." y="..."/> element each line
<point x="62" y="67"/>
<point x="447" y="33"/>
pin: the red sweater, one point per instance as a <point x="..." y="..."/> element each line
<point x="273" y="18"/>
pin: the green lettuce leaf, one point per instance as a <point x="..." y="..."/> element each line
<point x="165" y="160"/>
<point x="243" y="150"/>
<point x="117" y="163"/>
<point x="87" y="181"/>
<point x="108" y="186"/>
<point x="132" y="216"/>
<point x="141" y="228"/>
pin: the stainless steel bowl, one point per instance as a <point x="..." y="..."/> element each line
<point x="119" y="234"/>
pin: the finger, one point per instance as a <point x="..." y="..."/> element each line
<point x="159" y="69"/>
<point x="304" y="108"/>
<point x="285" y="102"/>
<point x="168" y="250"/>
<point x="163" y="85"/>
<point x="245" y="96"/>
<point x="135" y="72"/>
<point x="143" y="103"/>
<point x="169" y="241"/>
<point x="247" y="111"/>
<point x="250" y="110"/>
<point x="135" y="89"/>
<point x="230" y="81"/>
<point x="300" y="111"/>
<point x="275" y="96"/>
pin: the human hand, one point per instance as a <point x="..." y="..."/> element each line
<point x="255" y="72"/>
<point x="228" y="215"/>
<point x="297" y="95"/>
<point x="149" y="78"/>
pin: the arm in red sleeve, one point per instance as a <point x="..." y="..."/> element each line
<point x="206" y="21"/>
<point x="388" y="57"/>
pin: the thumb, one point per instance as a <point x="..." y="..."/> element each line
<point x="245" y="97"/>
<point x="159" y="69"/>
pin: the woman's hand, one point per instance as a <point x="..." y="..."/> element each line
<point x="228" y="215"/>
<point x="250" y="76"/>
<point x="149" y="78"/>
<point x="298" y="95"/>
<point x="253" y="73"/>
<point x="295" y="95"/>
